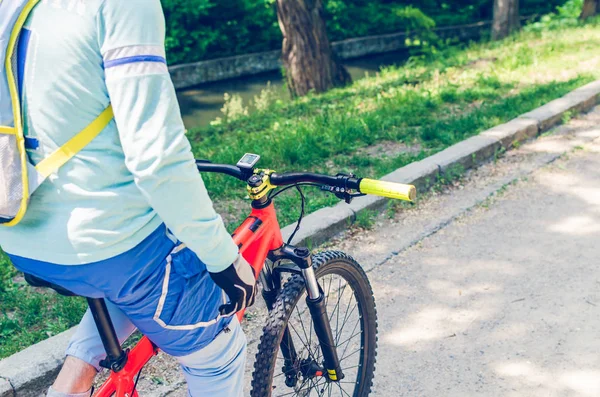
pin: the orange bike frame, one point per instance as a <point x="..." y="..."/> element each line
<point x="256" y="237"/>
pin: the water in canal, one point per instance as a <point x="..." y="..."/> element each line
<point x="202" y="104"/>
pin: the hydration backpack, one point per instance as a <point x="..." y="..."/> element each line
<point x="18" y="176"/>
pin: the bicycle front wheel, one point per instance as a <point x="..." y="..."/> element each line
<point x="353" y="320"/>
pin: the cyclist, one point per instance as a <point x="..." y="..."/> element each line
<point x="128" y="218"/>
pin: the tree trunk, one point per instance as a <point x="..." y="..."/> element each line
<point x="590" y="8"/>
<point x="309" y="61"/>
<point x="506" y="18"/>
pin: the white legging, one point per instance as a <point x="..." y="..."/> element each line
<point x="54" y="393"/>
<point x="217" y="370"/>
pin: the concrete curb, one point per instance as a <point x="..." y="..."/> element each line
<point x="319" y="226"/>
<point x="30" y="371"/>
<point x="6" y="388"/>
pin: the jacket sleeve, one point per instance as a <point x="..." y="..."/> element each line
<point x="158" y="154"/>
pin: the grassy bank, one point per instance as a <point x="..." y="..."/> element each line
<point x="419" y="108"/>
<point x="378" y="124"/>
<point x="28" y="315"/>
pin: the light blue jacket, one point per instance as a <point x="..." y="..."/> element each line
<point x="76" y="57"/>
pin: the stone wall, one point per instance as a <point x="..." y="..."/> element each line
<point x="190" y="74"/>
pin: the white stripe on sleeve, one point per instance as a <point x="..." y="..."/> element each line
<point x="134" y="50"/>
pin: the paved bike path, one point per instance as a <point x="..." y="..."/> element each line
<point x="504" y="300"/>
<point x="480" y="295"/>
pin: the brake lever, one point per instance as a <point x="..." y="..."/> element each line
<point x="341" y="193"/>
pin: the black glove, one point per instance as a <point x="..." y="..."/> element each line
<point x="239" y="284"/>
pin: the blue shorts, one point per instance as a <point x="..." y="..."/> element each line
<point x="160" y="286"/>
<point x="164" y="290"/>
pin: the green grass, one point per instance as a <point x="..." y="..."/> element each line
<point x="428" y="104"/>
<point x="27" y="316"/>
<point x="449" y="176"/>
<point x="366" y="219"/>
<point x="433" y="101"/>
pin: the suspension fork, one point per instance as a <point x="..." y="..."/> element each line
<point x="318" y="310"/>
<point x="316" y="304"/>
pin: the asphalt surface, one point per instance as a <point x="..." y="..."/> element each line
<point x="487" y="287"/>
<point x="505" y="299"/>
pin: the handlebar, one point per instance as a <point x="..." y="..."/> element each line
<point x="392" y="190"/>
<point x="346" y="182"/>
<point x="231" y="170"/>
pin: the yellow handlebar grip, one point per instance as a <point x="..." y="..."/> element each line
<point x="392" y="190"/>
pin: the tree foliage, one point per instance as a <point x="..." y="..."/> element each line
<point x="358" y="18"/>
<point x="202" y="29"/>
<point x="205" y="29"/>
<point x="566" y="15"/>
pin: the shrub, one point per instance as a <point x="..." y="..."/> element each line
<point x="566" y="15"/>
<point x="205" y="29"/>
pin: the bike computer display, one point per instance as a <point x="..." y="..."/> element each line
<point x="248" y="161"/>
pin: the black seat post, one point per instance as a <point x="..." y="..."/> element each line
<point x="115" y="356"/>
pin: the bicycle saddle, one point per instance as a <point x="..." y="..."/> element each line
<point x="40" y="283"/>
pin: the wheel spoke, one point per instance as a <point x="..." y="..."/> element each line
<point x="299" y="337"/>
<point x="303" y="329"/>
<point x="328" y="290"/>
<point x="346" y="319"/>
<point x="348" y="344"/>
<point x="354" y="335"/>
<point x="343" y="391"/>
<point x="319" y="386"/>
<point x="346" y="315"/>
<point x="337" y="319"/>
<point x="338" y="302"/>
<point x="351" y="354"/>
<point x="314" y="385"/>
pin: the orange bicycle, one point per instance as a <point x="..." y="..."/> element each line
<point x="320" y="337"/>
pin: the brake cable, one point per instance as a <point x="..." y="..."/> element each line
<point x="136" y="381"/>
<point x="302" y="204"/>
<point x="340" y="193"/>
<point x="277" y="192"/>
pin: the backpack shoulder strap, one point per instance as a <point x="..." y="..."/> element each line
<point x="17" y="130"/>
<point x="11" y="48"/>
<point x="64" y="153"/>
<point x="8" y="130"/>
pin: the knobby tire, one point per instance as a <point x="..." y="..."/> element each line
<point x="267" y="366"/>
